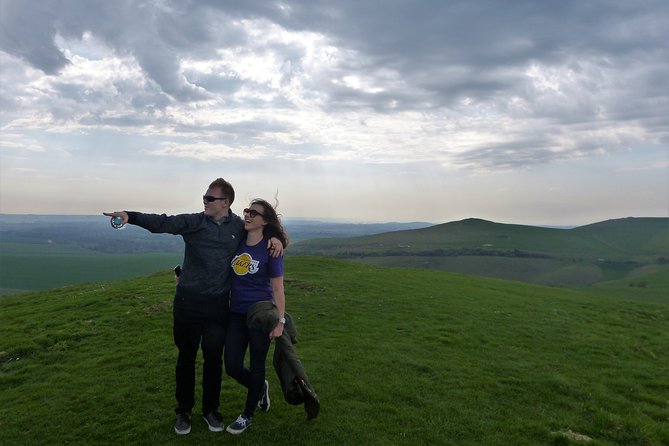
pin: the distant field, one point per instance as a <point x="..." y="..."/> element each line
<point x="38" y="252"/>
<point x="34" y="272"/>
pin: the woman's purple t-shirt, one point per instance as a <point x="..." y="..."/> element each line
<point x="252" y="267"/>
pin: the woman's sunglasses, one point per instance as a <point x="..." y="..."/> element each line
<point x="253" y="213"/>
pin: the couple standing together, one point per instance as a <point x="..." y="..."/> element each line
<point x="229" y="265"/>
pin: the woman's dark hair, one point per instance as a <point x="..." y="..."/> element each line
<point x="273" y="228"/>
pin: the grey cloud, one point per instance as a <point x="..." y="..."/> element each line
<point x="514" y="155"/>
<point x="34" y="44"/>
<point x="417" y="39"/>
<point x="421" y="39"/>
<point x="439" y="53"/>
<point x="133" y="120"/>
<point x="164" y="70"/>
<point x="247" y="129"/>
<point x="224" y="85"/>
<point x="154" y="36"/>
<point x="150" y="101"/>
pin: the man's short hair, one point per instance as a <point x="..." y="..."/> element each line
<point x="226" y="188"/>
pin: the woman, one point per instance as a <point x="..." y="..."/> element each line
<point x="257" y="277"/>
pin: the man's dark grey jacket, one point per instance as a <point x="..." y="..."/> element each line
<point x="209" y="249"/>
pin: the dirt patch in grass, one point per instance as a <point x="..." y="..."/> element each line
<point x="571" y="435"/>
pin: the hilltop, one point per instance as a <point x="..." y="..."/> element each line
<point x="614" y="239"/>
<point x="397" y="356"/>
<point x="581" y="256"/>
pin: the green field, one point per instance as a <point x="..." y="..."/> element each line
<point x="650" y="282"/>
<point x="397" y="356"/>
<point x="33" y="270"/>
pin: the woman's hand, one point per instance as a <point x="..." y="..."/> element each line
<point x="277" y="332"/>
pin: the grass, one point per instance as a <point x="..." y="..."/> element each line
<point x="397" y="357"/>
<point x="649" y="283"/>
<point x="540" y="271"/>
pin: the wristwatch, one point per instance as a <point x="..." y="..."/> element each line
<point x="282" y="320"/>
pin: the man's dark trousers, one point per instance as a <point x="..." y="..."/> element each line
<point x="196" y="325"/>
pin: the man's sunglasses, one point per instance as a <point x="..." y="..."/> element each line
<point x="253" y="213"/>
<point x="211" y="199"/>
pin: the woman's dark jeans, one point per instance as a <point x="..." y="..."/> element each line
<point x="238" y="338"/>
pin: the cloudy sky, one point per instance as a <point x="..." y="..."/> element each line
<point x="518" y="111"/>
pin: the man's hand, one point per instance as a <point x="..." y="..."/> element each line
<point x="122" y="214"/>
<point x="275" y="247"/>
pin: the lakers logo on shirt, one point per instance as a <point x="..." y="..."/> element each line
<point x="244" y="264"/>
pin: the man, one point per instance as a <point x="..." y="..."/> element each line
<point x="202" y="293"/>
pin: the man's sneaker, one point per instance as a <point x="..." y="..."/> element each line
<point x="214" y="421"/>
<point x="239" y="425"/>
<point x="263" y="402"/>
<point x="182" y="425"/>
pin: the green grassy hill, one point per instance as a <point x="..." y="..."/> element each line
<point x="614" y="239"/>
<point x="397" y="356"/>
<point x="583" y="256"/>
<point x="630" y="236"/>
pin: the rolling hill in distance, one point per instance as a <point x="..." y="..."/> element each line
<point x="627" y="257"/>
<point x="631" y="251"/>
<point x="613" y="239"/>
